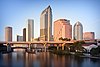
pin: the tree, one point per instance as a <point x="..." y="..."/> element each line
<point x="72" y="48"/>
<point x="78" y="46"/>
<point x="60" y="38"/>
<point x="95" y="51"/>
<point x="64" y="39"/>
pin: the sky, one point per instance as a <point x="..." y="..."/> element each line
<point x="15" y="13"/>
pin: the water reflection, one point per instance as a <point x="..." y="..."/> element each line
<point x="44" y="59"/>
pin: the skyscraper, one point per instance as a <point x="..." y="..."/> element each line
<point x="30" y="30"/>
<point x="46" y="24"/>
<point x="62" y="28"/>
<point x="24" y="34"/>
<point x="88" y="36"/>
<point x="78" y="31"/>
<point x="8" y="34"/>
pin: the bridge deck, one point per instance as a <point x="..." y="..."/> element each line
<point x="42" y="42"/>
<point x="37" y="42"/>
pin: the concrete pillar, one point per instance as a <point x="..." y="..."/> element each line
<point x="57" y="46"/>
<point x="29" y="47"/>
<point x="8" y="47"/>
<point x="63" y="46"/>
<point x="45" y="47"/>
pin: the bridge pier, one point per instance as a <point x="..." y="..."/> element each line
<point x="63" y="46"/>
<point x="45" y="47"/>
<point x="29" y="47"/>
<point x="8" y="48"/>
<point x="57" y="46"/>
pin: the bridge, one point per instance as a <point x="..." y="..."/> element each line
<point x="44" y="43"/>
<point x="37" y="42"/>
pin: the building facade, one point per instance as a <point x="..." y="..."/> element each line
<point x="30" y="30"/>
<point x="88" y="35"/>
<point x="24" y="34"/>
<point x="19" y="38"/>
<point x="78" y="31"/>
<point x="8" y="34"/>
<point x="62" y="28"/>
<point x="46" y="24"/>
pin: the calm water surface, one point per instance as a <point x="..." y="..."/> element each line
<point x="44" y="59"/>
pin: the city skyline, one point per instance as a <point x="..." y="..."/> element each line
<point x="17" y="26"/>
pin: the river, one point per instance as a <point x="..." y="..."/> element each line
<point x="44" y="59"/>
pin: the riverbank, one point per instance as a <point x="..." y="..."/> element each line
<point x="78" y="54"/>
<point x="59" y="52"/>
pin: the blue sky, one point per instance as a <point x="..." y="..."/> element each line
<point x="15" y="13"/>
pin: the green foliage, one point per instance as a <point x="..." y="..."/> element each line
<point x="61" y="52"/>
<point x="95" y="51"/>
<point x="78" y="54"/>
<point x="64" y="39"/>
<point x="60" y="38"/>
<point x="72" y="48"/>
<point x="77" y="46"/>
<point x="52" y="47"/>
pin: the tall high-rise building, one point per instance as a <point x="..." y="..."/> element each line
<point x="19" y="38"/>
<point x="24" y="34"/>
<point x="8" y="34"/>
<point x="88" y="36"/>
<point x="30" y="30"/>
<point x="62" y="28"/>
<point x="46" y="24"/>
<point x="78" y="31"/>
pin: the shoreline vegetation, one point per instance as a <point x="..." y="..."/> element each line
<point x="78" y="54"/>
<point x="74" y="49"/>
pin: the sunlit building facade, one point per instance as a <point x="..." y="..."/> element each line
<point x="19" y="38"/>
<point x="78" y="31"/>
<point x="62" y="28"/>
<point x="46" y="24"/>
<point x="88" y="35"/>
<point x="30" y="30"/>
<point x="8" y="34"/>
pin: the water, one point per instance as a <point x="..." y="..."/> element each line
<point x="44" y="59"/>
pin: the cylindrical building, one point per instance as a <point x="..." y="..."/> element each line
<point x="8" y="34"/>
<point x="78" y="31"/>
<point x="30" y="30"/>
